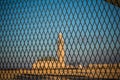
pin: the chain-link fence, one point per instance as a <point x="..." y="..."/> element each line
<point x="59" y="39"/>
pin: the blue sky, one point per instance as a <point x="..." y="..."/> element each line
<point x="29" y="30"/>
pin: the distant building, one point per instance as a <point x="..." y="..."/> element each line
<point x="51" y="62"/>
<point x="80" y="66"/>
<point x="46" y="62"/>
<point x="61" y="51"/>
<point x="103" y="65"/>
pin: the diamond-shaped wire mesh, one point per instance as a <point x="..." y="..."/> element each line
<point x="59" y="39"/>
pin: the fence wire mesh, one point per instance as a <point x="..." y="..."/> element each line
<point x="59" y="39"/>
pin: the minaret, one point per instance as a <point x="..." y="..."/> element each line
<point x="60" y="51"/>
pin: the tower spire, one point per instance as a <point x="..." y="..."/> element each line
<point x="60" y="50"/>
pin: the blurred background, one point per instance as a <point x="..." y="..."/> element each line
<point x="29" y="31"/>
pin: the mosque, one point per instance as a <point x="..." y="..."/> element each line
<point x="51" y="62"/>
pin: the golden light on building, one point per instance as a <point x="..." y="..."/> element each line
<point x="52" y="62"/>
<point x="60" y="51"/>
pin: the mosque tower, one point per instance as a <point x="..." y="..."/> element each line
<point x="60" y="51"/>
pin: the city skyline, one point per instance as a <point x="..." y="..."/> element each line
<point x="90" y="29"/>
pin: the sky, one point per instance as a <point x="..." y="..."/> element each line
<point x="29" y="30"/>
